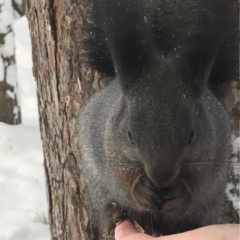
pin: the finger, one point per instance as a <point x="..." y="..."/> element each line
<point x="124" y="229"/>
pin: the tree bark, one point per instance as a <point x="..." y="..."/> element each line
<point x="9" y="101"/>
<point x="63" y="82"/>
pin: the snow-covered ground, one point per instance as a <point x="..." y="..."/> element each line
<point x="23" y="203"/>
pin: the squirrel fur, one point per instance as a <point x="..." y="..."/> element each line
<point x="155" y="142"/>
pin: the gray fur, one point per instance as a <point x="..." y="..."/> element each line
<point x="155" y="142"/>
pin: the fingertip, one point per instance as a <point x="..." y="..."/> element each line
<point x="124" y="229"/>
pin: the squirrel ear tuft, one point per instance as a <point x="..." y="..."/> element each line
<point x="127" y="38"/>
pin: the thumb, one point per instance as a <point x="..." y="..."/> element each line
<point x="124" y="229"/>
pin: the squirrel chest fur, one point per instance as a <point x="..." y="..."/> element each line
<point x="155" y="142"/>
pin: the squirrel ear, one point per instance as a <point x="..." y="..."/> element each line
<point x="208" y="34"/>
<point x="127" y="38"/>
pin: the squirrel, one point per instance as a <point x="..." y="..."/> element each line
<point x="155" y="142"/>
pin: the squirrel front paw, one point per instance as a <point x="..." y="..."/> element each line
<point x="173" y="200"/>
<point x="113" y="214"/>
<point x="177" y="198"/>
<point x="145" y="195"/>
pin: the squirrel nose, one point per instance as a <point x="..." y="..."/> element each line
<point x="162" y="179"/>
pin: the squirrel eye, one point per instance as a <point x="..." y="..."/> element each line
<point x="130" y="138"/>
<point x="191" y="137"/>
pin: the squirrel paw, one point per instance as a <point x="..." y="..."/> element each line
<point x="113" y="215"/>
<point x="145" y="195"/>
<point x="177" y="198"/>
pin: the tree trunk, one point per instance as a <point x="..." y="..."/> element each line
<point x="63" y="81"/>
<point x="9" y="106"/>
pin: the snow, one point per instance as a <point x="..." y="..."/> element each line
<point x="10" y="94"/>
<point x="22" y="183"/>
<point x="8" y="49"/>
<point x="236" y="145"/>
<point x="27" y="85"/>
<point x="233" y="190"/>
<point x="23" y="201"/>
<point x="6" y="15"/>
<point x="233" y="194"/>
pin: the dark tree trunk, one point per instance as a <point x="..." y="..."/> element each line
<point x="9" y="105"/>
<point x="63" y="81"/>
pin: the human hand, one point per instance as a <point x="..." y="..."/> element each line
<point x="126" y="231"/>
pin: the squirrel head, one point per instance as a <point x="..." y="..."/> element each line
<point x="159" y="122"/>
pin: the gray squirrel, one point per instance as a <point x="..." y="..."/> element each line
<point x="155" y="142"/>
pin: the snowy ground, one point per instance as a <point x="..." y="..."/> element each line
<point x="23" y="204"/>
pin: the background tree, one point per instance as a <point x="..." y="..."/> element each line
<point x="63" y="81"/>
<point x="9" y="101"/>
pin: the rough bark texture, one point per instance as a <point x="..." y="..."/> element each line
<point x="62" y="84"/>
<point x="9" y="107"/>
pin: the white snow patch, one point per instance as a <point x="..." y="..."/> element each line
<point x="233" y="190"/>
<point x="16" y="110"/>
<point x="12" y="75"/>
<point x="22" y="181"/>
<point x="234" y="197"/>
<point x="236" y="145"/>
<point x="10" y="94"/>
<point x="7" y="50"/>
<point x="26" y="82"/>
<point x="6" y="16"/>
